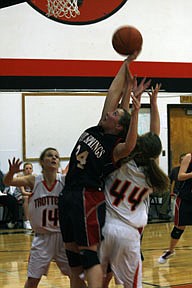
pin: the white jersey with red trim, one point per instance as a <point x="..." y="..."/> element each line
<point x="127" y="195"/>
<point x="43" y="205"/>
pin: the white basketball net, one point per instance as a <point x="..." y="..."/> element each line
<point x="62" y="8"/>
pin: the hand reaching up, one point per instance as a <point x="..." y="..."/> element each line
<point x="14" y="165"/>
<point x="136" y="102"/>
<point x="143" y="85"/>
<point x="153" y="94"/>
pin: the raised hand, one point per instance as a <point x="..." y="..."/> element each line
<point x="155" y="118"/>
<point x="132" y="57"/>
<point x="139" y="89"/>
<point x="136" y="102"/>
<point x="154" y="92"/>
<point x="14" y="165"/>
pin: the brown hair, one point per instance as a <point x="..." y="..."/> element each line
<point x="124" y="121"/>
<point x="42" y="155"/>
<point x="145" y="154"/>
<point x="27" y="163"/>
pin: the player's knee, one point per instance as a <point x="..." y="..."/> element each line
<point x="176" y="233"/>
<point x="89" y="258"/>
<point x="73" y="258"/>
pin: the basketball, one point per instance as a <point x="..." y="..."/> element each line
<point x="126" y="40"/>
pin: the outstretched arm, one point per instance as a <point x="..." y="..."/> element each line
<point x="116" y="90"/>
<point x="10" y="180"/>
<point x="127" y="89"/>
<point x="124" y="149"/>
<point x="183" y="175"/>
<point x="22" y="188"/>
<point x="155" y="119"/>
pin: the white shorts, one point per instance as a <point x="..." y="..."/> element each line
<point x="121" y="249"/>
<point x="45" y="248"/>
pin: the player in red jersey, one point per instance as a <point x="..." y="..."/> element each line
<point x="127" y="191"/>
<point x="43" y="214"/>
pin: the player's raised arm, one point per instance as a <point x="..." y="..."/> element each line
<point x="10" y="180"/>
<point x="127" y="89"/>
<point x="155" y="119"/>
<point x="116" y="89"/>
<point x="183" y="175"/>
<point x="124" y="149"/>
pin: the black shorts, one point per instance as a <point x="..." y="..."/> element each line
<point x="183" y="212"/>
<point x="81" y="216"/>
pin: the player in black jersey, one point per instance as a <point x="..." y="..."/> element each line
<point x="82" y="202"/>
<point x="183" y="207"/>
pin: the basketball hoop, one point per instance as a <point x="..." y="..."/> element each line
<point x="63" y="8"/>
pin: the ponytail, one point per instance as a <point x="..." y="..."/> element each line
<point x="145" y="154"/>
<point x="155" y="176"/>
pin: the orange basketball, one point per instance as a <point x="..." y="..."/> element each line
<point x="126" y="40"/>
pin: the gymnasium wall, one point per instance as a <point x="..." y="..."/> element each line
<point x="40" y="54"/>
<point x="12" y="128"/>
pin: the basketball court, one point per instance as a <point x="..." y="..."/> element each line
<point x="176" y="273"/>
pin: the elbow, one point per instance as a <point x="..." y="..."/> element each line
<point x="180" y="177"/>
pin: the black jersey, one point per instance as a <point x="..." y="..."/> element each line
<point x="185" y="191"/>
<point x="173" y="176"/>
<point x="89" y="158"/>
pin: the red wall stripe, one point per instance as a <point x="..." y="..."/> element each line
<point x="91" y="68"/>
